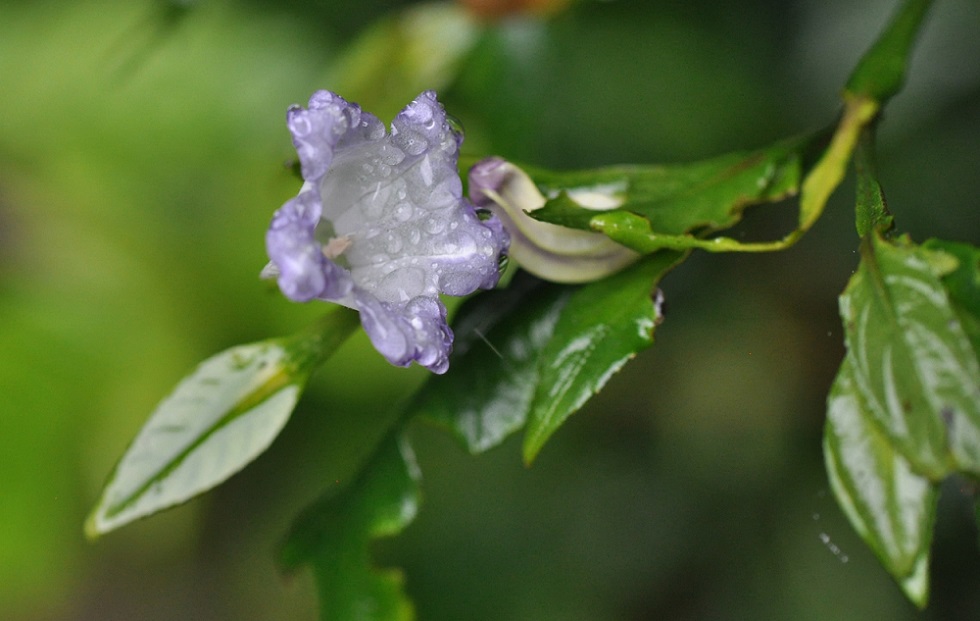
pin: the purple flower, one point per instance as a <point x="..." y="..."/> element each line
<point x="380" y="224"/>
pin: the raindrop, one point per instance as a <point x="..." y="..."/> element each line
<point x="403" y="211"/>
<point x="836" y="551"/>
<point x="455" y="124"/>
<point x="435" y="225"/>
<point x="394" y="244"/>
<point x="414" y="144"/>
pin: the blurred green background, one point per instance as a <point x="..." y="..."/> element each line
<point x="142" y="151"/>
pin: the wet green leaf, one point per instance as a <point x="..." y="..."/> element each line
<point x="487" y="392"/>
<point x="536" y="352"/>
<point x="216" y="421"/>
<point x="603" y="325"/>
<point x="334" y="536"/>
<point x="680" y="199"/>
<point x="913" y="364"/>
<point x="890" y="506"/>
<point x="675" y="207"/>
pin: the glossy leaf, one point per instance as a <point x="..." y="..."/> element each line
<point x="487" y="393"/>
<point x="603" y="325"/>
<point x="674" y="207"/>
<point x="681" y="199"/>
<point x="890" y="506"/>
<point x="334" y="536"/>
<point x="216" y="421"/>
<point x="881" y="72"/>
<point x="536" y="352"/>
<point x="913" y="364"/>
<point x="963" y="285"/>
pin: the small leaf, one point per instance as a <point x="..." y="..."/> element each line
<point x="487" y="392"/>
<point x="216" y="421"/>
<point x="335" y="533"/>
<point x="913" y="364"/>
<point x="880" y="73"/>
<point x="890" y="506"/>
<point x="603" y="325"/>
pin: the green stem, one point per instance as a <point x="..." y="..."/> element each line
<point x="871" y="208"/>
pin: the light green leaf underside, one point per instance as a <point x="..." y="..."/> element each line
<point x="890" y="506"/>
<point x="913" y="363"/>
<point x="217" y="420"/>
<point x="334" y="536"/>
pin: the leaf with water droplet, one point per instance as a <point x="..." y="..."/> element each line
<point x="602" y="327"/>
<point x="487" y="392"/>
<point x="890" y="506"/>
<point x="677" y="204"/>
<point x="913" y="363"/>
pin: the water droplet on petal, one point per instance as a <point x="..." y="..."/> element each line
<point x="403" y="212"/>
<point x="413" y="143"/>
<point x="435" y="225"/>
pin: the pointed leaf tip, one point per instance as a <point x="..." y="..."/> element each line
<point x="603" y="326"/>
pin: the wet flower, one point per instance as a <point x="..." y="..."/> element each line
<point x="380" y="224"/>
<point x="552" y="252"/>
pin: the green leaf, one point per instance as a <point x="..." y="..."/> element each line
<point x="880" y="73"/>
<point x="677" y="200"/>
<point x="217" y="420"/>
<point x="535" y="352"/>
<point x="913" y="364"/>
<point x="335" y="534"/>
<point x="963" y="285"/>
<point x="890" y="506"/>
<point x="602" y="326"/>
<point x="487" y="392"/>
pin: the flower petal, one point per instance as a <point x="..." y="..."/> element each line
<point x="331" y="122"/>
<point x="405" y="333"/>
